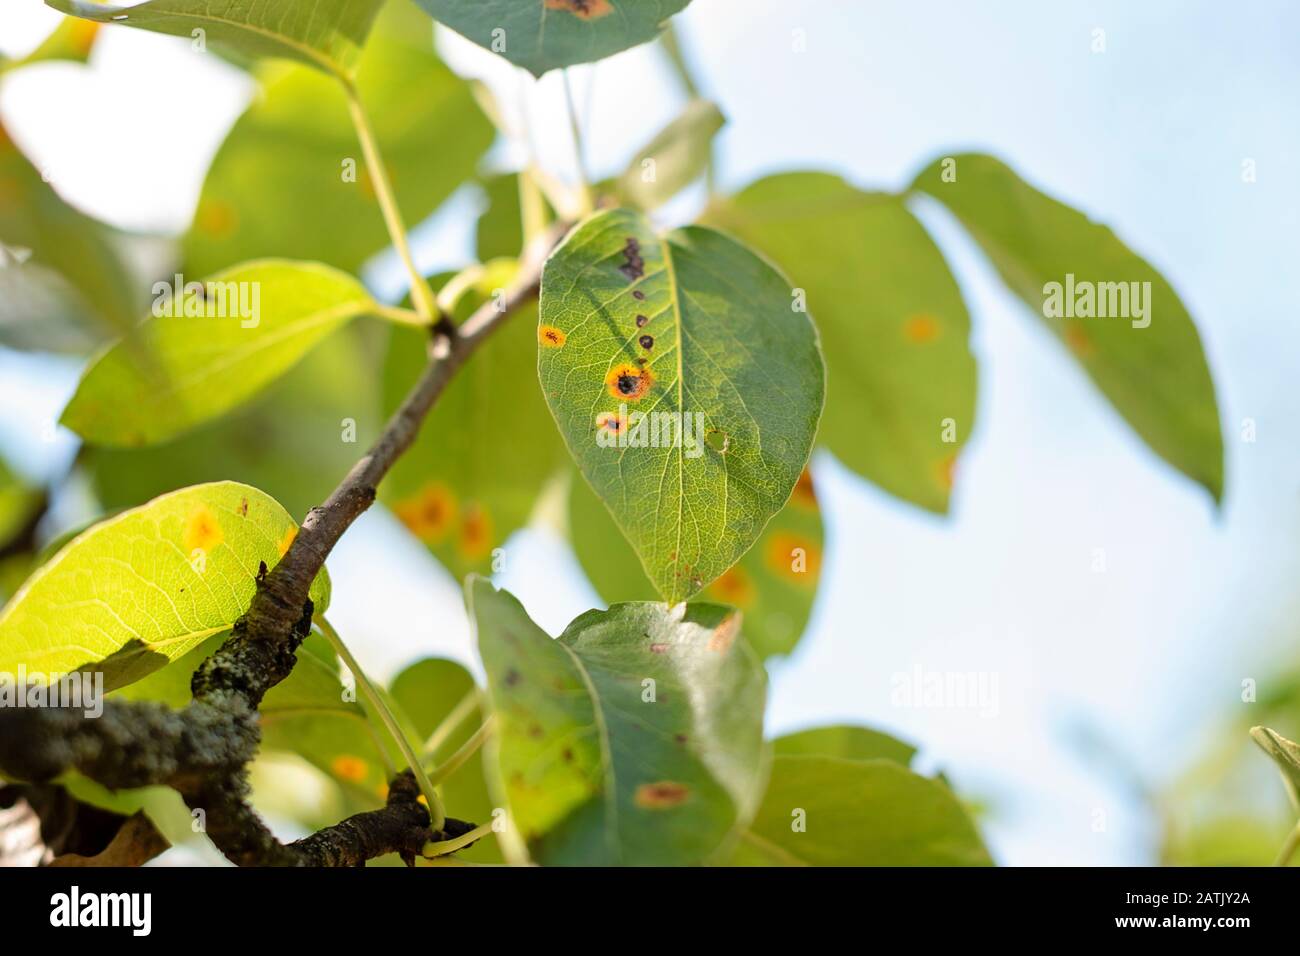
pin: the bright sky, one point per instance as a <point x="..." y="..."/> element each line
<point x="1148" y="136"/>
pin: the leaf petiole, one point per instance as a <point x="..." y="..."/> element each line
<point x="437" y="816"/>
<point x="443" y="847"/>
<point x="457" y="760"/>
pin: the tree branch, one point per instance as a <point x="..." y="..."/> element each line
<point x="203" y="750"/>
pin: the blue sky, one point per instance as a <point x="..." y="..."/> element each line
<point x="1148" y="137"/>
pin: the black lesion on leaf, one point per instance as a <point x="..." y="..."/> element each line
<point x="647" y="341"/>
<point x="633" y="266"/>
<point x="641" y="320"/>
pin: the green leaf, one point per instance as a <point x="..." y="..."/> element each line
<point x="691" y="325"/>
<point x="500" y="230"/>
<point x="148" y="585"/>
<point x="327" y="34"/>
<point x="827" y="811"/>
<point x="20" y="503"/>
<point x="488" y="447"/>
<point x="63" y="285"/>
<point x="290" y="180"/>
<point x="324" y="411"/>
<point x="676" y="157"/>
<point x="774" y="584"/>
<point x="893" y="325"/>
<point x="71" y="40"/>
<point x="427" y="692"/>
<point x="1286" y="754"/>
<point x="541" y="35"/>
<point x="635" y="738"/>
<point x="846" y="741"/>
<point x="1153" y="372"/>
<point x="180" y="370"/>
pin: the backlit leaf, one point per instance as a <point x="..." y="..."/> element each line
<point x="844" y="740"/>
<point x="694" y="327"/>
<point x="290" y="179"/>
<point x="540" y="35"/>
<point x="1148" y="361"/>
<point x="148" y="585"/>
<point x="676" y="156"/>
<point x="634" y="738"/>
<point x="774" y="584"/>
<point x="327" y="34"/>
<point x="900" y="374"/>
<point x="210" y="353"/>
<point x="827" y="811"/>
<point x="1286" y="754"/>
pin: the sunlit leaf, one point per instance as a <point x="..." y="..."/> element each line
<point x="676" y="156"/>
<point x="71" y="40"/>
<point x="774" y="584"/>
<point x="900" y="374"/>
<point x="210" y="353"/>
<point x="290" y="179"/>
<point x="1145" y="356"/>
<point x="488" y="447"/>
<point x="327" y="34"/>
<point x="635" y="738"/>
<point x="148" y="585"/>
<point x="697" y="329"/>
<point x="1286" y="754"/>
<point x="844" y="740"/>
<point x="827" y="811"/>
<point x="540" y="35"/>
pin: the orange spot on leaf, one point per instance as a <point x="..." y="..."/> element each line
<point x="582" y="9"/>
<point x="629" y="382"/>
<point x="947" y="470"/>
<point x="286" y="540"/>
<point x="794" y="557"/>
<point x="734" y="587"/>
<point x="661" y="795"/>
<point x="1078" y="340"/>
<point x="475" y="532"/>
<point x="551" y="337"/>
<point x="805" y="495"/>
<point x="202" y="530"/>
<point x="216" y="218"/>
<point x="921" y="328"/>
<point x="428" y="513"/>
<point x="350" y="768"/>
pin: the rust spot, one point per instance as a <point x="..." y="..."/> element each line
<point x="734" y="587"/>
<point x="216" y="218"/>
<point x="610" y="422"/>
<point x="680" y="738"/>
<point x="582" y="9"/>
<point x="641" y="320"/>
<point x="535" y="731"/>
<point x="1078" y="340"/>
<point x="83" y="36"/>
<point x="658" y="648"/>
<point x="794" y="557"/>
<point x="724" y="635"/>
<point x="921" y="328"/>
<point x="638" y="295"/>
<point x="243" y="507"/>
<point x="551" y="337"/>
<point x="947" y="469"/>
<point x="567" y="755"/>
<point x="512" y="677"/>
<point x="202" y="530"/>
<point x="475" y="539"/>
<point x="633" y="267"/>
<point x="647" y="341"/>
<point x="429" y="512"/>
<point x="661" y="795"/>
<point x="350" y="768"/>
<point x="628" y="382"/>
<point x="805" y="495"/>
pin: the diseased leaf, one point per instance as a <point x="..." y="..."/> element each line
<point x="327" y="34"/>
<point x="1286" y="754"/>
<point x="676" y="157"/>
<point x="894" y="329"/>
<point x="290" y="179"/>
<point x="827" y="811"/>
<point x="540" y="35"/>
<point x="148" y="585"/>
<point x="774" y="584"/>
<point x="63" y="285"/>
<point x="1147" y="361"/>
<point x="210" y="353"/>
<point x="694" y="327"/>
<point x="489" y="446"/>
<point x="635" y="738"/>
<point x="846" y="741"/>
